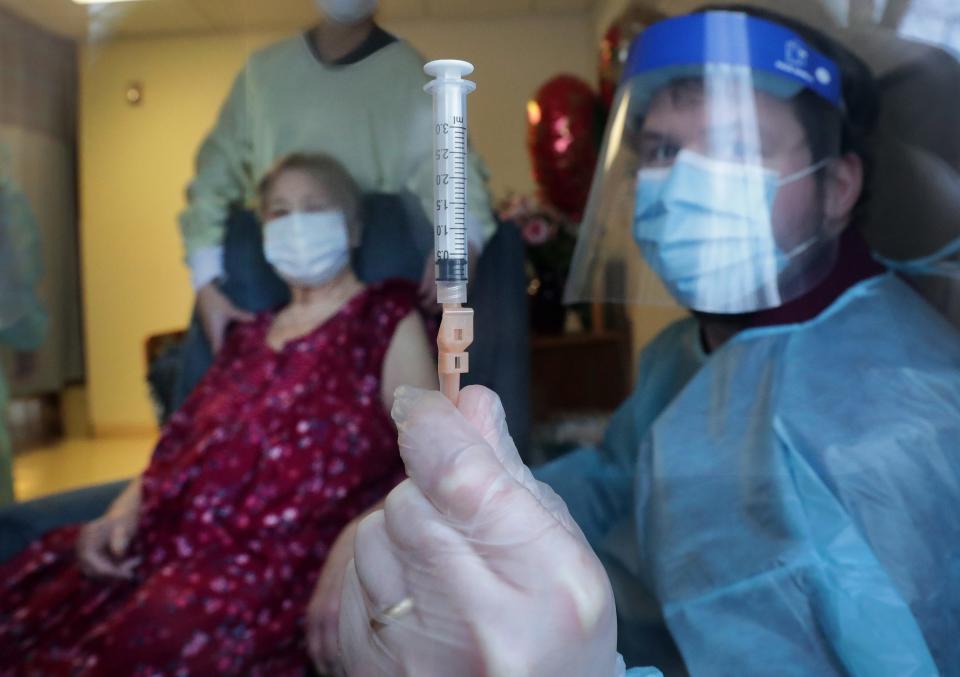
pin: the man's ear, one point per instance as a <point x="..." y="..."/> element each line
<point x="843" y="186"/>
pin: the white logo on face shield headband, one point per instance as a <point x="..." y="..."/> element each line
<point x="307" y="248"/>
<point x="704" y="226"/>
<point x="347" y="11"/>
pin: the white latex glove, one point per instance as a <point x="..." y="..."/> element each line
<point x="501" y="580"/>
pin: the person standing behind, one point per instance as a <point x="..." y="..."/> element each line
<point x="23" y="320"/>
<point x="346" y="88"/>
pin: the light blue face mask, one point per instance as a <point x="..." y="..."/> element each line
<point x="307" y="249"/>
<point x="704" y="226"/>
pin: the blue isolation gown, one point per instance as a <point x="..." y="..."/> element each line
<point x="790" y="504"/>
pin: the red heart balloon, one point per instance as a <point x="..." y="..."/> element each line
<point x="562" y="137"/>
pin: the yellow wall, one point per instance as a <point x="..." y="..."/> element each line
<point x="135" y="161"/>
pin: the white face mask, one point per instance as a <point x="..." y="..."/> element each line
<point x="347" y="11"/>
<point x="307" y="248"/>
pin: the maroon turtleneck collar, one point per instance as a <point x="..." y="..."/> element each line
<point x="854" y="264"/>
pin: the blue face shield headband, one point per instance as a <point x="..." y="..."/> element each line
<point x="779" y="60"/>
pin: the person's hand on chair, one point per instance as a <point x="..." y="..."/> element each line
<point x="217" y="312"/>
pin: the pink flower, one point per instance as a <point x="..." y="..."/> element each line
<point x="536" y="231"/>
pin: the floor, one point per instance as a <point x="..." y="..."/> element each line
<point x="73" y="463"/>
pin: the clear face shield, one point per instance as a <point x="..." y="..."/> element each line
<point x="715" y="169"/>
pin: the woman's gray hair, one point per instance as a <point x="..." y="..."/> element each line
<point x="344" y="191"/>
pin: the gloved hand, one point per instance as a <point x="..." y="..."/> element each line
<point x="473" y="567"/>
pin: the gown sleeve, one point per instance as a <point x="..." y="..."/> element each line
<point x="220" y="180"/>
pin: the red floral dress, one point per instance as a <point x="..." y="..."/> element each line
<point x="251" y="482"/>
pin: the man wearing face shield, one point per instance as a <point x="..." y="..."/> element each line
<point x="778" y="495"/>
<point x="778" y="471"/>
<point x="346" y="88"/>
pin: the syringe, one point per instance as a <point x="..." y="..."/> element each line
<point x="449" y="91"/>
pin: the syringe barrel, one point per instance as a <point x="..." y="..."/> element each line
<point x="449" y="92"/>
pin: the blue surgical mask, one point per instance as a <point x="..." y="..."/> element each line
<point x="704" y="226"/>
<point x="307" y="248"/>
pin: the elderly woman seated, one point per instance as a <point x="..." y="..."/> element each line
<point x="206" y="563"/>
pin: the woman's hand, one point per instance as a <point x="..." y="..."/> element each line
<point x="102" y="545"/>
<point x="216" y="313"/>
<point x="323" y="612"/>
<point x="473" y="567"/>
